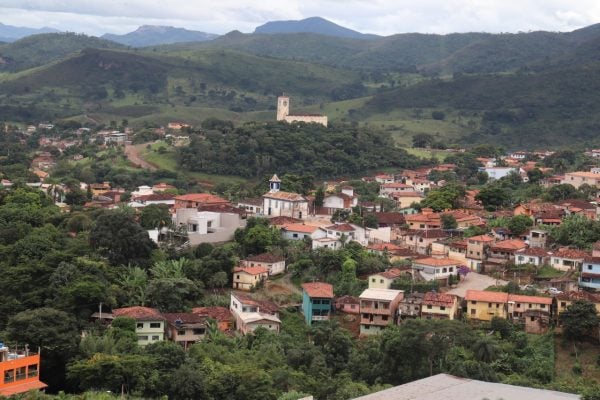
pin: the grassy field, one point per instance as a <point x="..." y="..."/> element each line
<point x="166" y="160"/>
<point x="427" y="153"/>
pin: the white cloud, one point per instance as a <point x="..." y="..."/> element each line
<point x="376" y="16"/>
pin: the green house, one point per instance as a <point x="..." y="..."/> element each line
<point x="317" y="301"/>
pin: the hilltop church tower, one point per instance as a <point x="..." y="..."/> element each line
<point x="274" y="184"/>
<point x="283" y="107"/>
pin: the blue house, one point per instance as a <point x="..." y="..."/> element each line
<point x="590" y="273"/>
<point x="317" y="301"/>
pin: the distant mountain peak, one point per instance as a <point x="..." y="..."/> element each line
<point x="317" y="25"/>
<point x="10" y="33"/>
<point x="152" y="35"/>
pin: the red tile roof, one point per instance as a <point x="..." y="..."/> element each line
<point x="390" y="218"/>
<point x="482" y="238"/>
<point x="201" y="198"/>
<point x="490" y="297"/>
<point x="517" y="298"/>
<point x="218" y="313"/>
<point x="427" y="233"/>
<point x="139" y="313"/>
<point x="509" y="245"/>
<point x="341" y="228"/>
<point x="570" y="254"/>
<point x="263" y="305"/>
<point x="287" y="196"/>
<point x="299" y="228"/>
<point x="534" y="251"/>
<point x="185" y="318"/>
<point x="383" y="247"/>
<point x="391" y="273"/>
<point x="437" y="262"/>
<point x="439" y="299"/>
<point x="284" y="221"/>
<point x="318" y="289"/>
<point x="251" y="270"/>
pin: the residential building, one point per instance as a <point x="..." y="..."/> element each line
<point x="483" y="306"/>
<point x="275" y="264"/>
<point x="410" y="306"/>
<point x="348" y="231"/>
<point x="326" y="243"/>
<point x="504" y="250"/>
<point x="590" y="273"/>
<point x="436" y="268"/>
<point x="384" y="280"/>
<point x="252" y="206"/>
<point x="566" y="259"/>
<point x="384" y="178"/>
<point x="247" y="278"/>
<point x="209" y="226"/>
<point x="378" y="308"/>
<point x="277" y="203"/>
<point x="387" y="189"/>
<point x="457" y="250"/>
<point x="499" y="172"/>
<point x="221" y="315"/>
<point x="348" y="304"/>
<point x="19" y="370"/>
<point x="432" y="220"/>
<point x="533" y="255"/>
<point x="534" y="312"/>
<point x="579" y="178"/>
<point x="185" y="329"/>
<point x="317" y="301"/>
<point x="149" y="323"/>
<point x="251" y="314"/>
<point x="161" y="187"/>
<point x="195" y="200"/>
<point x="564" y="300"/>
<point x="421" y="241"/>
<point x="299" y="231"/>
<point x="448" y="387"/>
<point x="477" y="248"/>
<point x="439" y="306"/>
<point x="337" y="201"/>
<point x="392" y="220"/>
<point x="405" y="200"/>
<point x="537" y="238"/>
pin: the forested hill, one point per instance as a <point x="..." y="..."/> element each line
<point x="558" y="107"/>
<point x="37" y="50"/>
<point x="253" y="150"/>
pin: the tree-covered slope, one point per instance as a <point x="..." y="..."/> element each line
<point x="37" y="50"/>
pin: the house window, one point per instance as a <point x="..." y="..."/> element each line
<point x="238" y="277"/>
<point x="451" y="269"/>
<point x="352" y="306"/>
<point x="442" y="308"/>
<point x="589" y="267"/>
<point x="373" y="280"/>
<point x="563" y="304"/>
<point x="9" y="376"/>
<point x="381" y="281"/>
<point x="473" y="311"/>
<point x="139" y="325"/>
<point x="21" y="373"/>
<point x="181" y="333"/>
<point x="429" y="307"/>
<point x="490" y="305"/>
<point x="473" y="302"/>
<point x="444" y="270"/>
<point x="32" y="370"/>
<point x="143" y="338"/>
<point x="155" y="337"/>
<point x="529" y="305"/>
<point x="532" y="319"/>
<point x="420" y="240"/>
<point x="542" y="306"/>
<point x="199" y="331"/>
<point x="384" y="317"/>
<point x="498" y="305"/>
<point x="155" y="325"/>
<point x="365" y="315"/>
<point x="295" y="235"/>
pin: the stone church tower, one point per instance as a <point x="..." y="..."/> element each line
<point x="283" y="107"/>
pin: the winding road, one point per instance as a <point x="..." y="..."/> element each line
<point x="133" y="155"/>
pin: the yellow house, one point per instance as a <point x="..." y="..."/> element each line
<point x="383" y="280"/>
<point x="246" y="278"/>
<point x="483" y="306"/>
<point x="439" y="306"/>
<point x="564" y="300"/>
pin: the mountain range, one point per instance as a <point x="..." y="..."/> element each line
<point x="525" y="89"/>
<point x="317" y="25"/>
<point x="10" y="33"/>
<point x="149" y="35"/>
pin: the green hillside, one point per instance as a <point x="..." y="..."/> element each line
<point x="41" y="49"/>
<point x="551" y="108"/>
<point x="132" y="84"/>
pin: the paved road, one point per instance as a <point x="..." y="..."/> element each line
<point x="475" y="281"/>
<point x="132" y="153"/>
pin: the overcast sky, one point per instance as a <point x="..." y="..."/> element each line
<point x="383" y="17"/>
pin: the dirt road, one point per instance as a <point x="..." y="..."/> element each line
<point x="133" y="154"/>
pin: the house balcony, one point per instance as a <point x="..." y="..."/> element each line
<point x="378" y="311"/>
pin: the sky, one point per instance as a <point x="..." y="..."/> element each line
<point x="383" y="17"/>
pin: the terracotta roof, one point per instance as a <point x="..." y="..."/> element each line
<point x="341" y="228"/>
<point x="391" y="273"/>
<point x="218" y="313"/>
<point x="490" y="297"/>
<point x="482" y="238"/>
<point x="578" y="203"/>
<point x="582" y="295"/>
<point x="185" y="318"/>
<point x="251" y="270"/>
<point x="300" y="228"/>
<point x="517" y="298"/>
<point x="389" y="218"/>
<point x="139" y="313"/>
<point x="287" y="196"/>
<point x="318" y="289"/>
<point x="509" y="245"/>
<point x="534" y="251"/>
<point x="162" y="185"/>
<point x="437" y="262"/>
<point x="383" y="247"/>
<point x="263" y="305"/>
<point x="570" y="254"/>
<point x="427" y="233"/>
<point x="201" y="198"/>
<point x="439" y="299"/>
<point x="154" y="197"/>
<point x="284" y="220"/>
<point x="266" y="258"/>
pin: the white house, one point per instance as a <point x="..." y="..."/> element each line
<point x="436" y="268"/>
<point x="499" y="172"/>
<point x="533" y="255"/>
<point x="568" y="259"/>
<point x="590" y="273"/>
<point x="208" y="226"/>
<point x="149" y="323"/>
<point x="302" y="231"/>
<point x="251" y="314"/>
<point x="326" y="243"/>
<point x="275" y="264"/>
<point x="387" y="189"/>
<point x="283" y="204"/>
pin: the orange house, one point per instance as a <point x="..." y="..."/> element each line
<point x="19" y="372"/>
